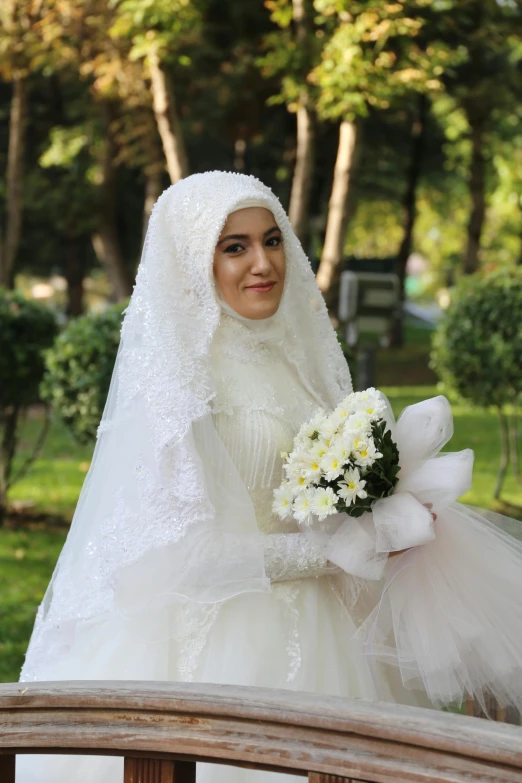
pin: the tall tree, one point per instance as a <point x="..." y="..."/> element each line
<point x="292" y="53"/>
<point x="375" y="55"/>
<point x="162" y="34"/>
<point x="488" y="80"/>
<point x="417" y="143"/>
<point x="105" y="239"/>
<point x="16" y="21"/>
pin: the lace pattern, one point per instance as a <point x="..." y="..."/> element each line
<point x="164" y="382"/>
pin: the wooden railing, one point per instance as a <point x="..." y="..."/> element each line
<point x="162" y="729"/>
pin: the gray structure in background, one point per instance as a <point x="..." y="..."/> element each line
<point x="369" y="302"/>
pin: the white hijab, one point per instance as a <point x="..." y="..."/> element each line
<point x="163" y="514"/>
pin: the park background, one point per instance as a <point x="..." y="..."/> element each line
<point x="390" y="129"/>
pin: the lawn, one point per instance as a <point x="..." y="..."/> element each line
<point x="44" y="502"/>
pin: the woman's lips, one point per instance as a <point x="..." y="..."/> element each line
<point x="261" y="287"/>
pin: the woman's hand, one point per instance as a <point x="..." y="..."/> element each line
<point x="429" y="506"/>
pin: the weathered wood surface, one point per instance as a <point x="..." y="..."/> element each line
<point x="278" y="730"/>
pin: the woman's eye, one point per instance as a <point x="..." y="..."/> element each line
<point x="234" y="248"/>
<point x="274" y="241"/>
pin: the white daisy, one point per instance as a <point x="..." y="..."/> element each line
<point x="302" y="507"/>
<point x="328" y="429"/>
<point x="298" y="483"/>
<point x="332" y="465"/>
<point x="352" y="487"/>
<point x="358" y="422"/>
<point x="283" y="499"/>
<point x="366" y="454"/>
<point x="309" y="428"/>
<point x="312" y="466"/>
<point x="323" y="502"/>
<point x="370" y="402"/>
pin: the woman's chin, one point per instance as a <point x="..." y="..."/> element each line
<point x="257" y="310"/>
<point x="266" y="310"/>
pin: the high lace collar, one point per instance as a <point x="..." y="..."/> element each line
<point x="269" y="331"/>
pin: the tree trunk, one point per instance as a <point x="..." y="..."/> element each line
<point x="305" y="142"/>
<point x="74" y="269"/>
<point x="153" y="190"/>
<point x="167" y="120"/>
<point x="478" y="196"/>
<point x="504" y="453"/>
<point x="303" y="172"/>
<point x="418" y="136"/>
<point x="14" y="177"/>
<point x="513" y="440"/>
<point x="8" y="432"/>
<point x="337" y="206"/>
<point x="106" y="241"/>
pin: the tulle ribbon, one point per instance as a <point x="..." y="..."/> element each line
<point x="450" y="612"/>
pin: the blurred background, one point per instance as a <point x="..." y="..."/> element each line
<point x="392" y="133"/>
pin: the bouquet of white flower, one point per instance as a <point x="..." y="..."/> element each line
<point x="341" y="462"/>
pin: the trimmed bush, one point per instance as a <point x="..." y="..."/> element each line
<point x="27" y="328"/>
<point x="79" y="369"/>
<point x="477" y="350"/>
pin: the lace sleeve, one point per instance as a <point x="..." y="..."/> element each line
<point x="295" y="556"/>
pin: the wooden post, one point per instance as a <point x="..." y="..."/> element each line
<point x="143" y="770"/>
<point x="7" y="768"/>
<point x="494" y="711"/>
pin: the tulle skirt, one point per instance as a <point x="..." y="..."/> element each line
<point x="299" y="636"/>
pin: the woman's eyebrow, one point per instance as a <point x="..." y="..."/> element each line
<point x="246" y="236"/>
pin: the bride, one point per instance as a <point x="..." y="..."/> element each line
<point x="175" y="566"/>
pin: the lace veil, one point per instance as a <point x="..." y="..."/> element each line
<point x="163" y="511"/>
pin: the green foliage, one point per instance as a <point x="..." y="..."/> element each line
<point x="477" y="347"/>
<point x="27" y="328"/>
<point x="164" y="26"/>
<point x="377" y="52"/>
<point x="79" y="369"/>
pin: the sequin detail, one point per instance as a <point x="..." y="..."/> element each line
<point x="164" y="383"/>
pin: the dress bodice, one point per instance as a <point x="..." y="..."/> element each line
<point x="259" y="406"/>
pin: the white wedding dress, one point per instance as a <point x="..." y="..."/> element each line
<point x="299" y="635"/>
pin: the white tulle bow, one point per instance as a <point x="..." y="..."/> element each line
<point x="427" y="478"/>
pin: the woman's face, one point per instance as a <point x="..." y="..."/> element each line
<point x="249" y="263"/>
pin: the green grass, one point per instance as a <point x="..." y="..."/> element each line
<point x="29" y="551"/>
<point x="44" y="502"/>
<point x="54" y="481"/>
<point x="27" y="559"/>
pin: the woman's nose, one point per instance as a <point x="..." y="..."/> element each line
<point x="260" y="263"/>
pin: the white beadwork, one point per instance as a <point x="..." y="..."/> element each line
<point x="148" y="484"/>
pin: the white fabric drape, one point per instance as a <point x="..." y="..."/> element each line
<point x="160" y="481"/>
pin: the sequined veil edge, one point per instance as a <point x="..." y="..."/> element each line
<point x="147" y="492"/>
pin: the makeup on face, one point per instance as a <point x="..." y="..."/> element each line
<point x="249" y="263"/>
